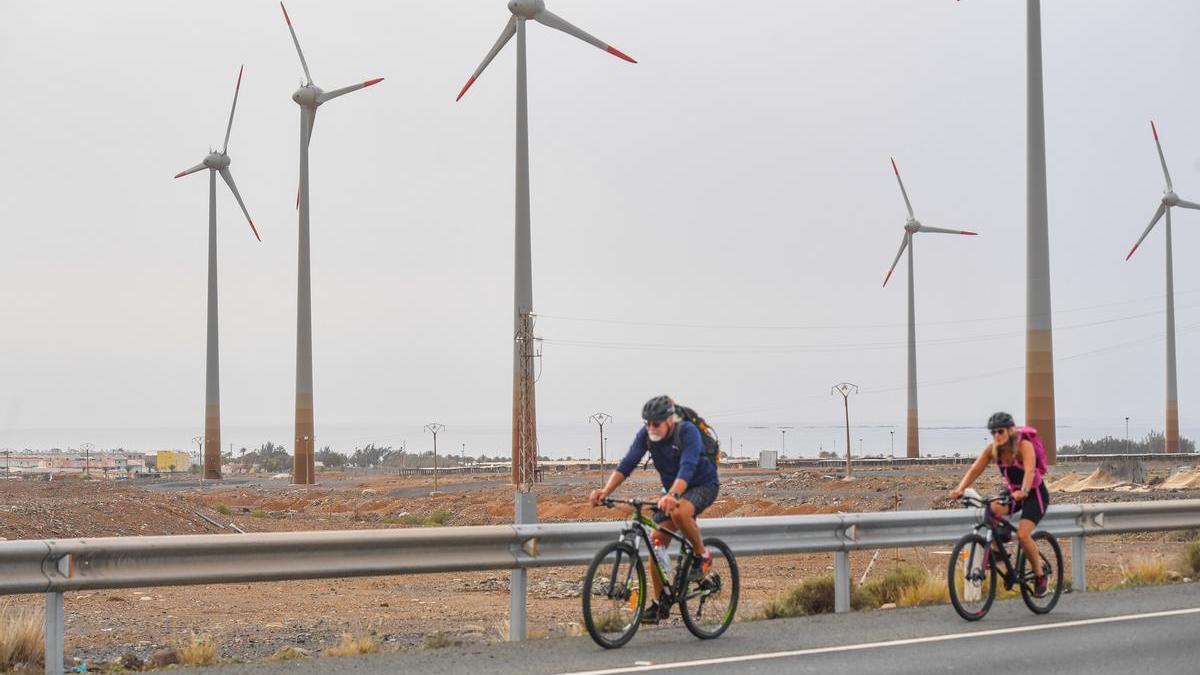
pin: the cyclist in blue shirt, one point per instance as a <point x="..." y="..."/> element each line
<point x="689" y="480"/>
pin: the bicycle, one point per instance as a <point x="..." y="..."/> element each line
<point x="976" y="559"/>
<point x="614" y="591"/>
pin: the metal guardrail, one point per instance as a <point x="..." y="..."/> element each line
<point x="55" y="566"/>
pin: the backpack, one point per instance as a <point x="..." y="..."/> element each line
<point x="1039" y="451"/>
<point x="708" y="435"/>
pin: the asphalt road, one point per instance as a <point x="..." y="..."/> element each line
<point x="1151" y="630"/>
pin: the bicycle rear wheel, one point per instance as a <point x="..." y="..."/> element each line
<point x="614" y="595"/>
<point x="709" y="603"/>
<point x="1051" y="558"/>
<point x="971" y="577"/>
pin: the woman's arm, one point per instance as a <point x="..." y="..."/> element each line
<point x="976" y="469"/>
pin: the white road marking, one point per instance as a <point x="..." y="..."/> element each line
<point x="888" y="643"/>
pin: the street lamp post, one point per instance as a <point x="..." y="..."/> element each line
<point x="845" y="389"/>
<point x="434" y="428"/>
<point x="1127" y="434"/>
<point x="87" y="458"/>
<point x="892" y="449"/>
<point x="601" y="419"/>
<point x="199" y="441"/>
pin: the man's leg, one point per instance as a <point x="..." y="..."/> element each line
<point x="659" y="539"/>
<point x="684" y="518"/>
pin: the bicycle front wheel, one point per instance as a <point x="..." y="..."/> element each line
<point x="711" y="598"/>
<point x="1051" y="560"/>
<point x="972" y="577"/>
<point x="614" y="595"/>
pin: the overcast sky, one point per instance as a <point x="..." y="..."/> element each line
<point x="713" y="222"/>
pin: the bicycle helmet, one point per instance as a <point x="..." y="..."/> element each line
<point x="658" y="408"/>
<point x="1001" y="420"/>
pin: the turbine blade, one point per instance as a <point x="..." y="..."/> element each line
<point x="1188" y="205"/>
<point x="903" y="245"/>
<point x="303" y="63"/>
<point x="233" y="188"/>
<point x="330" y="95"/>
<point x="229" y="127"/>
<point x="194" y="169"/>
<point x="510" y="29"/>
<point x="902" y="190"/>
<point x="1161" y="159"/>
<point x="1162" y="208"/>
<point x="941" y="230"/>
<point x="552" y="20"/>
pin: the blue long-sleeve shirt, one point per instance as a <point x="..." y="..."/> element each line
<point x="687" y="462"/>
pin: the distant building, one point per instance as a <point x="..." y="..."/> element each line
<point x="172" y="460"/>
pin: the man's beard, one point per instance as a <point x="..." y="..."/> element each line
<point x="656" y="437"/>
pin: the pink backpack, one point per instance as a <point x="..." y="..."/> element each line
<point x="1039" y="451"/>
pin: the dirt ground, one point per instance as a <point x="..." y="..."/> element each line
<point x="253" y="621"/>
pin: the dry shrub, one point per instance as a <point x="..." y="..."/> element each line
<point x="439" y="640"/>
<point x="1144" y="572"/>
<point x="889" y="587"/>
<point x="1193" y="556"/>
<point x="288" y="653"/>
<point x="353" y="646"/>
<point x="21" y="637"/>
<point x="198" y="650"/>
<point x="930" y="591"/>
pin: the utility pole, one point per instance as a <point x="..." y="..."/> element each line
<point x="845" y="389"/>
<point x="87" y="460"/>
<point x="1127" y="434"/>
<point x="601" y="418"/>
<point x="892" y="450"/>
<point x="7" y="453"/>
<point x="434" y="428"/>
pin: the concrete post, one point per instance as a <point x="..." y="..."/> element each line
<point x="841" y="581"/>
<point x="55" y="627"/>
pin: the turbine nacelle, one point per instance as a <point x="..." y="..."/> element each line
<point x="308" y="96"/>
<point x="217" y="161"/>
<point x="526" y="9"/>
<point x="1169" y="198"/>
<point x="912" y="226"/>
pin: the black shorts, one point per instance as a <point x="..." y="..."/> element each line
<point x="700" y="496"/>
<point x="1034" y="506"/>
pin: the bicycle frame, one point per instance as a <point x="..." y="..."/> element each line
<point x="994" y="524"/>
<point x="636" y="533"/>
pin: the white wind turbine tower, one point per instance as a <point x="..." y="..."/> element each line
<point x="216" y="163"/>
<point x="1169" y="200"/>
<point x="524" y="438"/>
<point x="309" y="97"/>
<point x="911" y="227"/>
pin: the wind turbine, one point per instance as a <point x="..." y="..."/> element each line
<point x="309" y="97"/>
<point x="911" y="227"/>
<point x="1169" y="199"/>
<point x="524" y="438"/>
<point x="216" y="163"/>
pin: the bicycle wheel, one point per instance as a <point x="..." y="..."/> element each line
<point x="1051" y="555"/>
<point x="709" y="603"/>
<point x="971" y="577"/>
<point x="613" y="595"/>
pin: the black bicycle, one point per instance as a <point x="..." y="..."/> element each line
<point x="981" y="556"/>
<point x="615" y="589"/>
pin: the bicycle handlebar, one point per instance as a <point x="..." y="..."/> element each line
<point x="1004" y="499"/>
<point x="638" y="504"/>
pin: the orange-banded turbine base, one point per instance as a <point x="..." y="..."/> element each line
<point x="1039" y="389"/>
<point x="914" y="436"/>
<point x="303" y="464"/>
<point x="212" y="442"/>
<point x="1172" y="426"/>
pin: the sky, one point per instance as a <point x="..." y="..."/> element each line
<point x="713" y="222"/>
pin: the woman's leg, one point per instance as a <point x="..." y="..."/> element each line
<point x="1025" y="537"/>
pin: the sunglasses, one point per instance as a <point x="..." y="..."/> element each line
<point x="654" y="424"/>
<point x="997" y="432"/>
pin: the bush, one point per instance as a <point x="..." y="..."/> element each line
<point x="1193" y="556"/>
<point x="890" y="586"/>
<point x="258" y="513"/>
<point x="438" y="518"/>
<point x="221" y="509"/>
<point x="353" y="646"/>
<point x="439" y="640"/>
<point x="1144" y="572"/>
<point x="198" y="650"/>
<point x="20" y="637"/>
<point x="931" y="591"/>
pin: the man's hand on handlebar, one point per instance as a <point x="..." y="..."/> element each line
<point x="597" y="497"/>
<point x="667" y="503"/>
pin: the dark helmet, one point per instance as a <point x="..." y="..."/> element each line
<point x="1001" y="420"/>
<point x="658" y="408"/>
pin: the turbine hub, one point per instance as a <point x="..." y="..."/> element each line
<point x="912" y="226"/>
<point x="216" y="161"/>
<point x="306" y="95"/>
<point x="1170" y="198"/>
<point x="526" y="9"/>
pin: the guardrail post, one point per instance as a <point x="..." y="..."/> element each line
<point x="54" y="628"/>
<point x="1078" y="566"/>
<point x="841" y="581"/>
<point x="525" y="513"/>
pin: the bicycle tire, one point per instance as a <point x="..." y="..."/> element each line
<point x="952" y="571"/>
<point x="601" y="560"/>
<point x="1056" y="585"/>
<point x="690" y="606"/>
